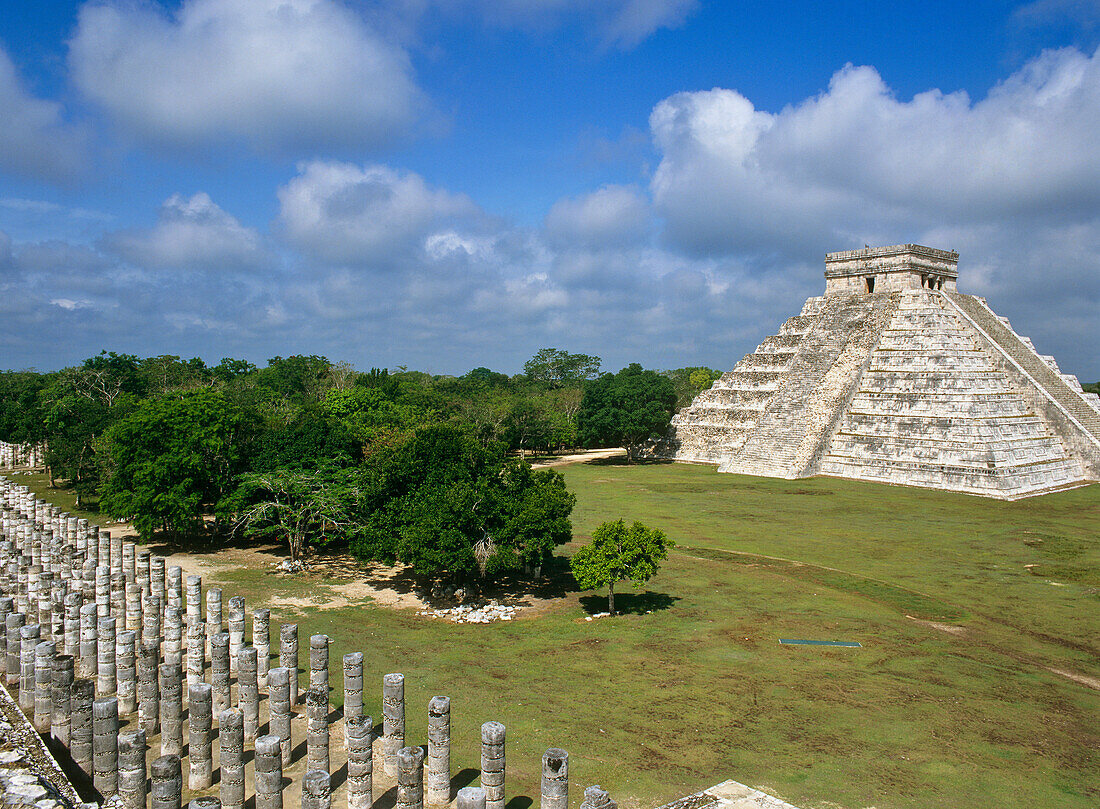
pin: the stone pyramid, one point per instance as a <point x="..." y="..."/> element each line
<point x="894" y="376"/>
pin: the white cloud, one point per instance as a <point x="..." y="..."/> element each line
<point x="612" y="216"/>
<point x="278" y="74"/>
<point x="367" y="215"/>
<point x="190" y="233"/>
<point x="856" y="160"/>
<point x="35" y="139"/>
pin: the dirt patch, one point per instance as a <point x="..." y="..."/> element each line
<point x="581" y="457"/>
<point x="950" y="629"/>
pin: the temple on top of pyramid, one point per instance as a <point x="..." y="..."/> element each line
<point x="894" y="376"/>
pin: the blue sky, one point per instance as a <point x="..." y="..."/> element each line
<point x="444" y="184"/>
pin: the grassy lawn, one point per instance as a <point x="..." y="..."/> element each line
<point x="967" y="609"/>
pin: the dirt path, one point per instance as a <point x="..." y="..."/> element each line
<point x="581" y="457"/>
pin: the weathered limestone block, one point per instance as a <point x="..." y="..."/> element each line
<point x="167" y="778"/>
<point x="231" y="739"/>
<point x="171" y="709"/>
<point x="595" y="797"/>
<point x="105" y="745"/>
<point x="493" y="764"/>
<point x="248" y="692"/>
<point x="410" y="778"/>
<point x="126" y="672"/>
<point x="80" y="733"/>
<point x="470" y="798"/>
<point x="148" y="688"/>
<point x="316" y="790"/>
<point x="199" y="727"/>
<point x="393" y="720"/>
<point x="219" y="671"/>
<point x="61" y="698"/>
<point x="269" y="773"/>
<point x="278" y="683"/>
<point x="439" y="751"/>
<point x="288" y="656"/>
<point x="358" y="731"/>
<point x="317" y="732"/>
<point x="132" y="774"/>
<point x="261" y="640"/>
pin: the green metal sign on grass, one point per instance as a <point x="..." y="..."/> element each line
<point x="795" y="642"/>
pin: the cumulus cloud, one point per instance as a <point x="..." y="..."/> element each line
<point x="368" y="215"/>
<point x="857" y="160"/>
<point x="612" y="216"/>
<point x="36" y="141"/>
<point x="277" y="74"/>
<point x="191" y="232"/>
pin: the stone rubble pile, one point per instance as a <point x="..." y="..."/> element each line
<point x="467" y="614"/>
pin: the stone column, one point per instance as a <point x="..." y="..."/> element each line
<point x="14" y="624"/>
<point x="269" y="773"/>
<point x="125" y="672"/>
<point x="492" y="764"/>
<point x="219" y="671"/>
<point x="80" y="733"/>
<point x="73" y="602"/>
<point x="103" y="591"/>
<point x="117" y="565"/>
<point x="318" y="663"/>
<point x="105" y="654"/>
<point x="156" y="579"/>
<point x="134" y="617"/>
<point x="439" y="751"/>
<point x="317" y="737"/>
<point x="248" y="692"/>
<point x="410" y="778"/>
<point x="278" y="703"/>
<point x="194" y="599"/>
<point x="89" y="653"/>
<point x="261" y="641"/>
<point x="316" y="790"/>
<point x="231" y="741"/>
<point x="105" y="745"/>
<point x="555" y="779"/>
<point x="597" y="798"/>
<point x="393" y="720"/>
<point x="196" y="650"/>
<point x="151" y="623"/>
<point x="128" y="566"/>
<point x="171" y="709"/>
<point x="61" y="697"/>
<point x="199" y="726"/>
<point x="358" y="732"/>
<point x="353" y="685"/>
<point x="148" y="688"/>
<point x="141" y="575"/>
<point x="174" y="588"/>
<point x="213" y="617"/>
<point x="471" y="798"/>
<point x="288" y="656"/>
<point x="29" y="638"/>
<point x="118" y="597"/>
<point x="167" y="792"/>
<point x="7" y="605"/>
<point x="236" y="631"/>
<point x="44" y="654"/>
<point x="173" y="635"/>
<point x="131" y="769"/>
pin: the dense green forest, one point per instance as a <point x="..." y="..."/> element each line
<point x="428" y="470"/>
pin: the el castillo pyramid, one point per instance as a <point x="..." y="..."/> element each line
<point x="894" y="376"/>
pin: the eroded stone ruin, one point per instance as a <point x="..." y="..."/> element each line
<point x="895" y="376"/>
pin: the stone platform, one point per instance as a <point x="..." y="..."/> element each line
<point x="894" y="376"/>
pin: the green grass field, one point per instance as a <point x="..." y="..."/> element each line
<point x="691" y="687"/>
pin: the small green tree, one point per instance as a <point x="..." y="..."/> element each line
<point x="616" y="553"/>
<point x="629" y="409"/>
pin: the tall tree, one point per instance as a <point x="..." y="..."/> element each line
<point x="555" y="367"/>
<point x="629" y="408"/>
<point x="617" y="553"/>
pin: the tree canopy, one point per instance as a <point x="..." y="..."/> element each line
<point x="617" y="553"/>
<point x="629" y="408"/>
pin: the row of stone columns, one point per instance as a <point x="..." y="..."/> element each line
<point x="117" y="634"/>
